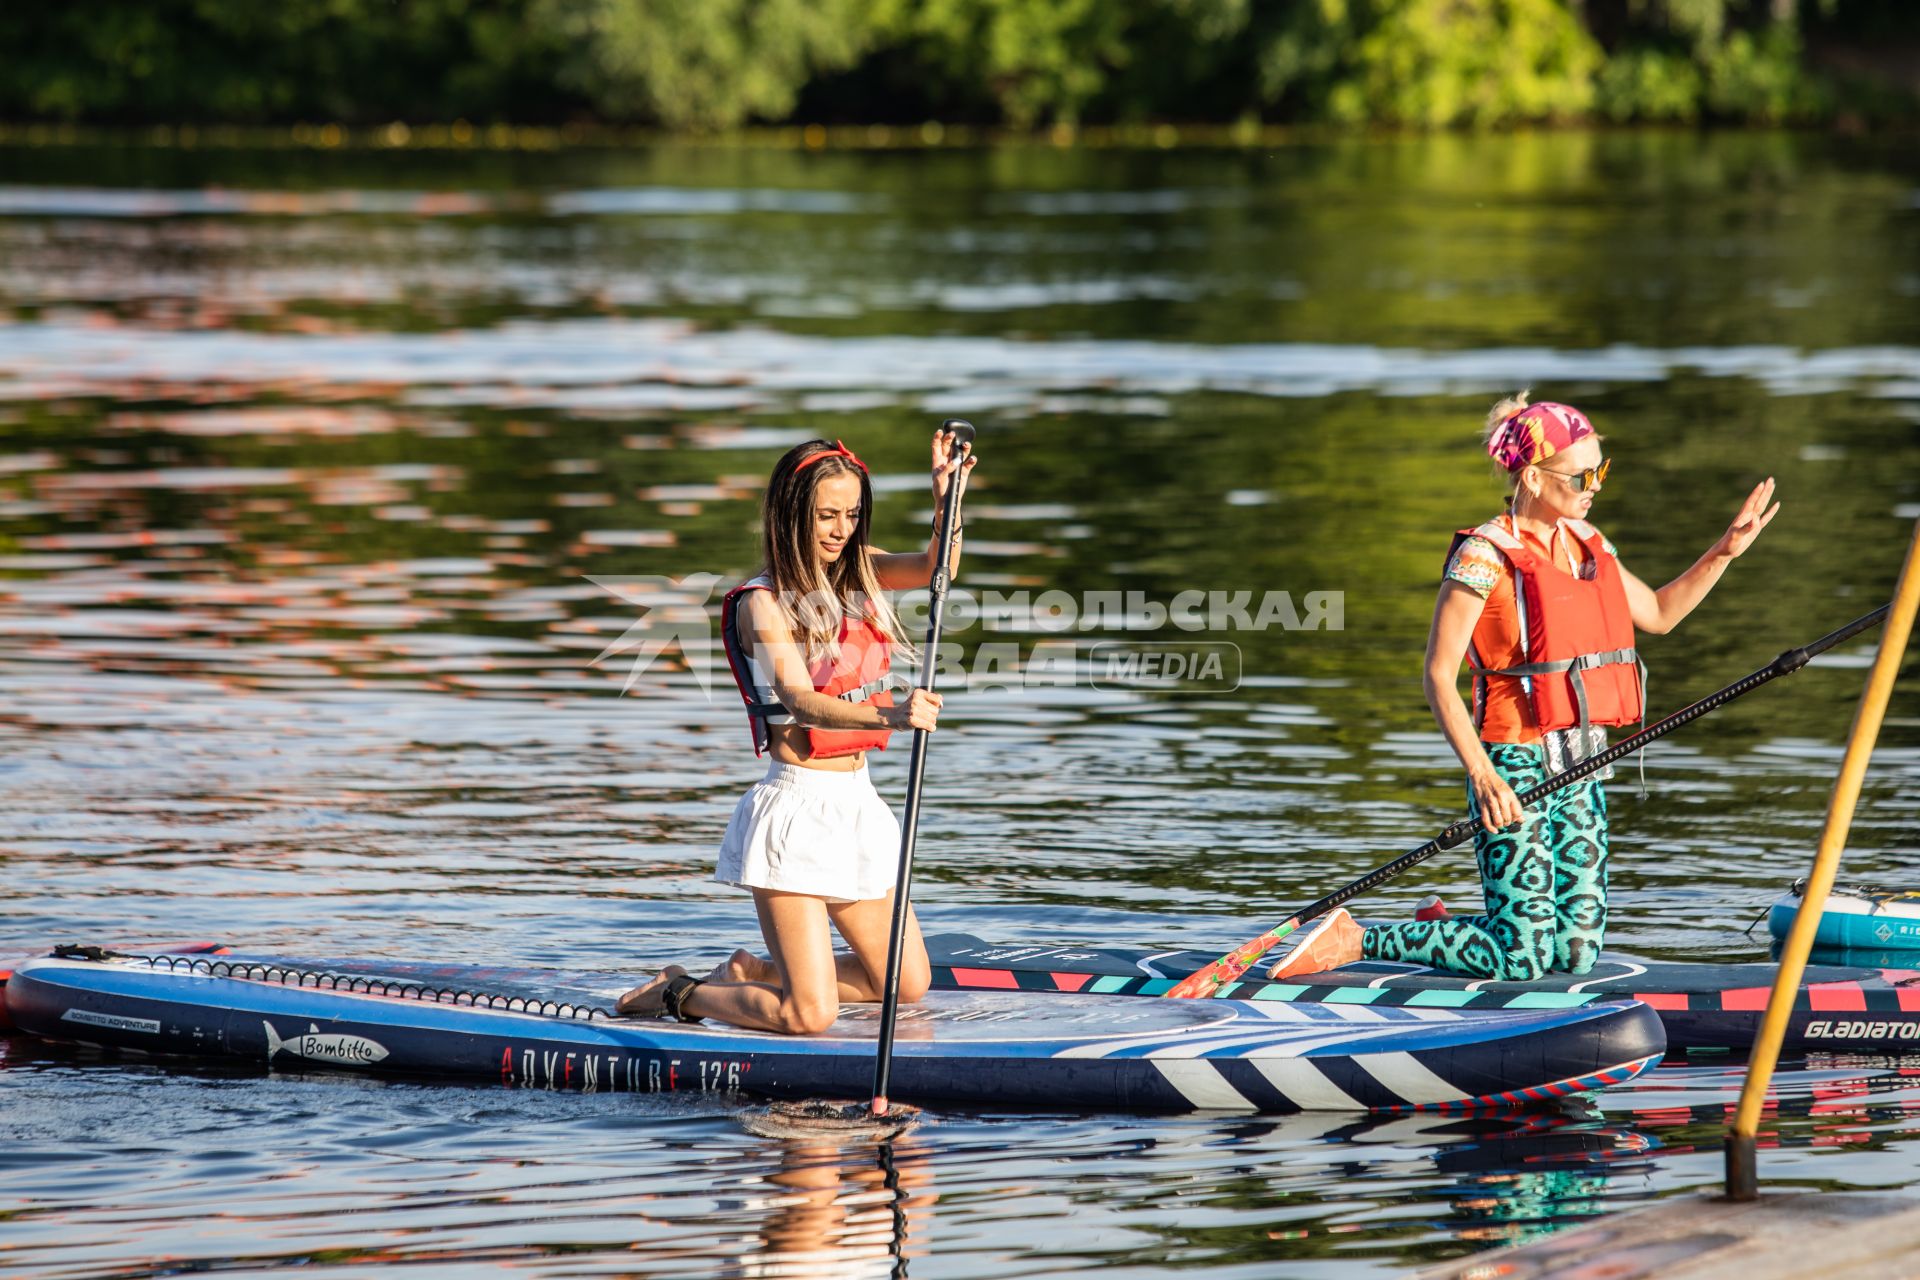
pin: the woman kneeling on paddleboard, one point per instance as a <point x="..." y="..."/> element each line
<point x="809" y="639"/>
<point x="1540" y="605"/>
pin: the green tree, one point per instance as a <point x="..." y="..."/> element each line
<point x="237" y="61"/>
<point x="1731" y="59"/>
<point x="1431" y="62"/>
<point x="1650" y="84"/>
<point x="1050" y="60"/>
<point x="716" y="64"/>
<point x="1759" y="77"/>
<point x="703" y="64"/>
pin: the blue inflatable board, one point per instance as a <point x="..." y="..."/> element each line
<point x="1856" y="919"/>
<point x="550" y="1030"/>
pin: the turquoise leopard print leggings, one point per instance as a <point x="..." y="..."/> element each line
<point x="1545" y="883"/>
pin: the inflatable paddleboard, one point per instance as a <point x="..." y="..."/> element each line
<point x="16" y="954"/>
<point x="1856" y="919"/>
<point x="1839" y="1009"/>
<point x="550" y="1030"/>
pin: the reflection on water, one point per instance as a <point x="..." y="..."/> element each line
<point x="330" y="1171"/>
<point x="311" y="475"/>
<point x="405" y="1172"/>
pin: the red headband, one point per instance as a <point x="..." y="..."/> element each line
<point x="838" y="451"/>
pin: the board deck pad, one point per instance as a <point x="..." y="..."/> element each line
<point x="1839" y="1008"/>
<point x="550" y="1029"/>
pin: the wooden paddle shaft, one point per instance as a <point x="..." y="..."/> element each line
<point x="1742" y="1181"/>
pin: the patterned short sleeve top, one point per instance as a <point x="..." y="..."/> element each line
<point x="1478" y="564"/>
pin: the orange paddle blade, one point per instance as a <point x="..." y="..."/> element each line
<point x="1230" y="966"/>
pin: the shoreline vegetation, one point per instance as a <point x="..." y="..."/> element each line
<point x="932" y="135"/>
<point x="878" y="73"/>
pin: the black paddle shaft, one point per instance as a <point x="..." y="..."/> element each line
<point x="963" y="434"/>
<point x="1786" y="664"/>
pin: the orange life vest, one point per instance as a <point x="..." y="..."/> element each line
<point x="1574" y="637"/>
<point x="858" y="674"/>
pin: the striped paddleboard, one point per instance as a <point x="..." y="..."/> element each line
<point x="1837" y="1009"/>
<point x="1082" y="1052"/>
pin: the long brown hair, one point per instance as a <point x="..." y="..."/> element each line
<point x="815" y="602"/>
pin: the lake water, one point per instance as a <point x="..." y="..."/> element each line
<point x="326" y="476"/>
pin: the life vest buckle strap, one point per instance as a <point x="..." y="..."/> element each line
<point x="1574" y="666"/>
<point x="1526" y="669"/>
<point x="1588" y="661"/>
<point x="775" y="707"/>
<point x="864" y="692"/>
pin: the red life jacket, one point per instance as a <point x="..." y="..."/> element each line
<point x="859" y="674"/>
<point x="1575" y="634"/>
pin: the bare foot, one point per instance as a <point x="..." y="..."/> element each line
<point x="744" y="966"/>
<point x="1334" y="941"/>
<point x="650" y="999"/>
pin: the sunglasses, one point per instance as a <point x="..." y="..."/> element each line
<point x="1584" y="481"/>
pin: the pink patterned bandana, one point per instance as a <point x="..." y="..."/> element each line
<point x="1536" y="433"/>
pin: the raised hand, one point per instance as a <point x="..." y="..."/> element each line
<point x="1747" y="525"/>
<point x="944" y="465"/>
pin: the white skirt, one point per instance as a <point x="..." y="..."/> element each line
<point x="813" y="831"/>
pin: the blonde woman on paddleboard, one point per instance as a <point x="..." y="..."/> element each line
<point x="1538" y="605"/>
<point x="810" y="640"/>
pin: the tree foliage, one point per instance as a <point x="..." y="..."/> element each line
<point x="702" y="64"/>
<point x="1050" y="60"/>
<point x="1433" y="62"/>
<point x="715" y="64"/>
<point x="132" y="61"/>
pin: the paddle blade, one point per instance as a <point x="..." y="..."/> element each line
<point x="815" y="1120"/>
<point x="1227" y="968"/>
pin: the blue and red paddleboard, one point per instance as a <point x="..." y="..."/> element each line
<point x="550" y="1030"/>
<point x="1839" y="1009"/>
<point x="17" y="954"/>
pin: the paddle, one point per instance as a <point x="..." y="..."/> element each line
<point x="1236" y="962"/>
<point x="916" y="768"/>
